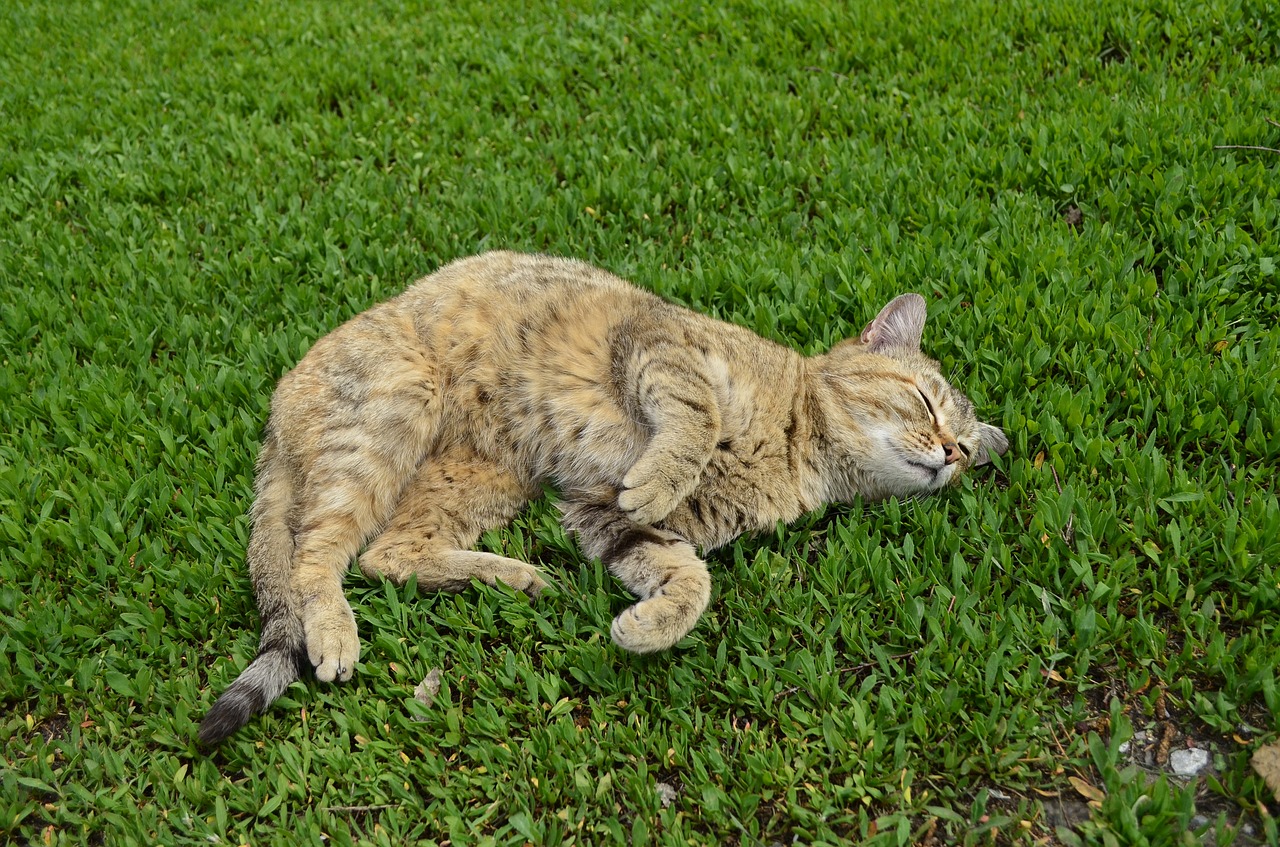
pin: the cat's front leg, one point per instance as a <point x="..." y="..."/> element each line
<point x="658" y="566"/>
<point x="678" y="401"/>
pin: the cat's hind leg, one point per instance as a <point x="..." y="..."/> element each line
<point x="331" y="533"/>
<point x="658" y="566"/>
<point x="452" y="499"/>
<point x="356" y="417"/>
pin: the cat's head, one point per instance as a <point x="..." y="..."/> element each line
<point x="892" y="425"/>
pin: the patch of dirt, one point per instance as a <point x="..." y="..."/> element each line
<point x="1163" y="738"/>
<point x="1059" y="811"/>
<point x="52" y="728"/>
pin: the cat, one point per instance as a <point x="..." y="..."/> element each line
<point x="432" y="417"/>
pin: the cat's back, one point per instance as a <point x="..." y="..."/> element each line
<point x="478" y="320"/>
<point x="534" y="353"/>
<point x="518" y="315"/>
<point x="499" y="290"/>
<point x="524" y="345"/>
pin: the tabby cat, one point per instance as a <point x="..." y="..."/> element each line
<point x="428" y="419"/>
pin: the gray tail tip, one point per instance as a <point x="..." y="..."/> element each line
<point x="253" y="691"/>
<point x="232" y="711"/>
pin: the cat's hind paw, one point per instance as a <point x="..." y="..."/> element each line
<point x="332" y="643"/>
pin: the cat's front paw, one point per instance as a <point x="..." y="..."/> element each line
<point x="332" y="643"/>
<point x="648" y="496"/>
<point x="653" y="625"/>
<point x="661" y="620"/>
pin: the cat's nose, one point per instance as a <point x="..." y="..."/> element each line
<point x="951" y="451"/>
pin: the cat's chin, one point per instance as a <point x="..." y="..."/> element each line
<point x="910" y="477"/>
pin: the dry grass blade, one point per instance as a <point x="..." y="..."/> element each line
<point x="1266" y="763"/>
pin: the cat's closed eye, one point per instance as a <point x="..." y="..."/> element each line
<point x="933" y="416"/>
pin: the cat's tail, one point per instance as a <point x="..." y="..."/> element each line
<point x="282" y="652"/>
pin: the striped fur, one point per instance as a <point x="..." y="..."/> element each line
<point x="430" y="418"/>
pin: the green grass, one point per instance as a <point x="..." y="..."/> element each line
<point x="192" y="193"/>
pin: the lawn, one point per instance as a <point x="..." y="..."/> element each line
<point x="192" y="193"/>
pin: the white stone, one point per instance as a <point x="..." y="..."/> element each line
<point x="1189" y="762"/>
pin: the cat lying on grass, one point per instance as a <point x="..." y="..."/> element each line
<point x="434" y="416"/>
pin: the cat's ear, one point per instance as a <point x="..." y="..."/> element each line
<point x="992" y="440"/>
<point x="898" y="327"/>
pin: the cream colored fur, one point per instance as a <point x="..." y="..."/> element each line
<point x="434" y="416"/>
